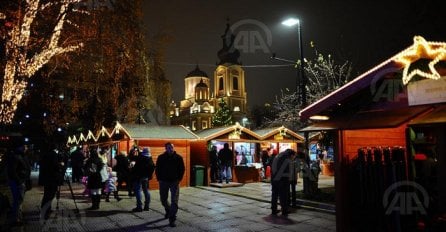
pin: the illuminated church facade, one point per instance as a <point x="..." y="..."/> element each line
<point x="200" y="103"/>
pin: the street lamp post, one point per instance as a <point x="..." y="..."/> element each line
<point x="302" y="84"/>
<point x="303" y="81"/>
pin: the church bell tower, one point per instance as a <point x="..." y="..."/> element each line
<point x="229" y="77"/>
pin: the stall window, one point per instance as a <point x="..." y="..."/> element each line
<point x="244" y="153"/>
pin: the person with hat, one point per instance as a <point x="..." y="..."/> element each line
<point x="142" y="173"/>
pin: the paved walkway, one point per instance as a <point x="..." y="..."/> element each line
<point x="244" y="208"/>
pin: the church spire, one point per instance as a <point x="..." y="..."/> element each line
<point x="228" y="54"/>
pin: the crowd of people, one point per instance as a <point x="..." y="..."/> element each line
<point x="102" y="175"/>
<point x="281" y="169"/>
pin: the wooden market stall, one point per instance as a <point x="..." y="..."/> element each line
<point x="240" y="139"/>
<point x="374" y="122"/>
<point x="156" y="137"/>
<point x="279" y="138"/>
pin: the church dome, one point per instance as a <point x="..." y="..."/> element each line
<point x="196" y="73"/>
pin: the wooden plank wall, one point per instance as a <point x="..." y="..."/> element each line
<point x="200" y="156"/>
<point x="199" y="153"/>
<point x="355" y="139"/>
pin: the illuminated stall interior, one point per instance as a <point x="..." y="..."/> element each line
<point x="242" y="141"/>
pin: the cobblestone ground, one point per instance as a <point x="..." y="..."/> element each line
<point x="200" y="209"/>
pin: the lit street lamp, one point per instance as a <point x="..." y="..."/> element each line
<point x="290" y="23"/>
<point x="303" y="81"/>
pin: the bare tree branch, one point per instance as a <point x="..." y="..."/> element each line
<point x="323" y="75"/>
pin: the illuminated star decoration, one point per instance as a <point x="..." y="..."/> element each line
<point x="422" y="49"/>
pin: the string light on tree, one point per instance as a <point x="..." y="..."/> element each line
<point x="223" y="115"/>
<point x="20" y="65"/>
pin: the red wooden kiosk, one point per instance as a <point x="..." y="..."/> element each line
<point x="379" y="122"/>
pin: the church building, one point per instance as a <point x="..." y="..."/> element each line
<point x="195" y="111"/>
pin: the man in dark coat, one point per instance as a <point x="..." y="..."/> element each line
<point x="214" y="163"/>
<point x="77" y="162"/>
<point x="169" y="172"/>
<point x="226" y="157"/>
<point x="51" y="175"/>
<point x="280" y="180"/>
<point x="123" y="172"/>
<point x="142" y="173"/>
<point x="18" y="172"/>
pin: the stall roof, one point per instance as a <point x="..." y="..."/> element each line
<point x="397" y="63"/>
<point x="144" y="131"/>
<point x="370" y="119"/>
<point x="211" y="133"/>
<point x="437" y="115"/>
<point x="361" y="82"/>
<point x="268" y="132"/>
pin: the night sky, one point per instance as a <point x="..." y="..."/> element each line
<point x="363" y="32"/>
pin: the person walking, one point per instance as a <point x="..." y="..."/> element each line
<point x="18" y="172"/>
<point x="306" y="173"/>
<point x="103" y="153"/>
<point x="169" y="172"/>
<point x="226" y="157"/>
<point x="142" y="173"/>
<point x="51" y="176"/>
<point x="77" y="162"/>
<point x="133" y="153"/>
<point x="214" y="163"/>
<point x="280" y="181"/>
<point x="93" y="167"/>
<point x="294" y="170"/>
<point x="123" y="172"/>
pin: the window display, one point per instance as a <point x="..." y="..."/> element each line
<point x="244" y="153"/>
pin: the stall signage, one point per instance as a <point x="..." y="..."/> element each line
<point x="234" y="135"/>
<point x="278" y="137"/>
<point x="427" y="91"/>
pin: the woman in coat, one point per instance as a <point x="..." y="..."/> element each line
<point x="93" y="167"/>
